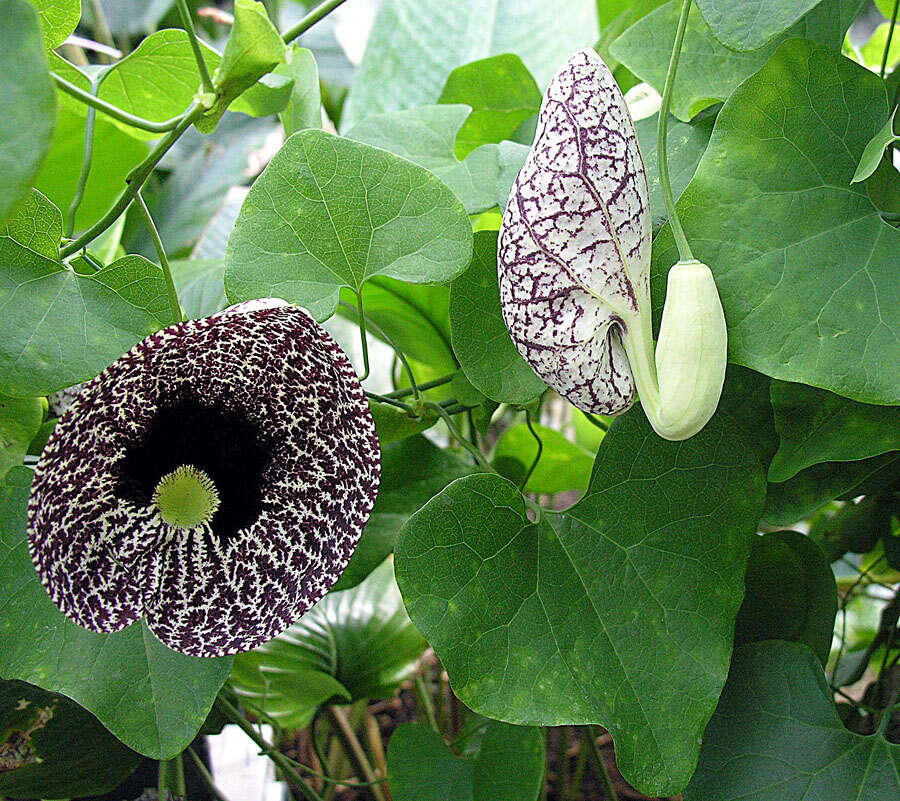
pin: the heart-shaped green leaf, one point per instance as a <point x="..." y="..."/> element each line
<point x="58" y="18"/>
<point x="619" y="611"/>
<point x="329" y="212"/>
<point x="151" y="698"/>
<point x="353" y="644"/>
<point x="776" y="734"/>
<point x="51" y="748"/>
<point x="742" y="25"/>
<point x="509" y="765"/>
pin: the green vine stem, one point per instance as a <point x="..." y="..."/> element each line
<point x="590" y="738"/>
<point x="887" y="44"/>
<point x="135" y="179"/>
<point x="204" y="775"/>
<point x="110" y="110"/>
<point x="364" y="340"/>
<point x="354" y="750"/>
<point x="540" y="450"/>
<point x="423" y="699"/>
<point x="177" y="315"/>
<point x="684" y="249"/>
<point x="185" y="13"/>
<point x="283" y="762"/>
<point x="425" y="385"/>
<point x="477" y="455"/>
<point x="310" y="19"/>
<point x="596" y="421"/>
<point x="170" y="781"/>
<point x="86" y="161"/>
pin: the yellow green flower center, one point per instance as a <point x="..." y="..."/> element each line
<point x="186" y="497"/>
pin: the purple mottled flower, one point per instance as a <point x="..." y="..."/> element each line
<point x="215" y="479"/>
<point x="574" y="249"/>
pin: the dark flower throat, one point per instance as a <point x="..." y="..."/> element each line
<point x="222" y="442"/>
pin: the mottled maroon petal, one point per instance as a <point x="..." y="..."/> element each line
<point x="105" y="560"/>
<point x="574" y="251"/>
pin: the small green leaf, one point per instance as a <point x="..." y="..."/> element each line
<point x="254" y="48"/>
<point x="871" y="156"/>
<point x="393" y="424"/>
<point x="151" y="698"/>
<point x="792" y="500"/>
<point x="791" y="593"/>
<point x="353" y="644"/>
<point x="742" y="25"/>
<point x="29" y="102"/>
<point x="818" y="426"/>
<point x="416" y="44"/>
<point x="708" y="72"/>
<point x="58" y="18"/>
<point x="854" y="527"/>
<point x="36" y="225"/>
<point x="502" y="94"/>
<point x="304" y="109"/>
<point x="509" y="765"/>
<point x="776" y="734"/>
<point x="58" y="328"/>
<point x="428" y="136"/>
<point x="563" y="466"/>
<point x="329" y="212"/>
<point x="619" y="611"/>
<point x="480" y="338"/>
<point x="20" y="420"/>
<point x="57" y="749"/>
<point x="872" y="52"/>
<point x="412" y="472"/>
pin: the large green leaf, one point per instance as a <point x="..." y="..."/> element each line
<point x="151" y="698"/>
<point x="115" y="154"/>
<point x="791" y="500"/>
<point x="502" y="94"/>
<point x="428" y="136"/>
<point x="563" y="465"/>
<point x="509" y="765"/>
<point x="29" y="102"/>
<point x="353" y="644"/>
<point x="480" y="338"/>
<point x="687" y="142"/>
<point x="415" y="44"/>
<point x="817" y="426"/>
<point x="708" y="71"/>
<point x="619" y="611"/>
<point x="55" y="748"/>
<point x="776" y="734"/>
<point x="20" y="419"/>
<point x="58" y="328"/>
<point x="413" y="471"/>
<point x="748" y="25"/>
<point x="791" y="593"/>
<point x="330" y="212"/>
<point x="813" y="298"/>
<point x="58" y="18"/>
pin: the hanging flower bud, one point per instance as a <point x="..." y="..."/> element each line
<point x="574" y="267"/>
<point x="215" y="479"/>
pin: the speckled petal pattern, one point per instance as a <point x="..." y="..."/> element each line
<point x="306" y="479"/>
<point x="574" y="250"/>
